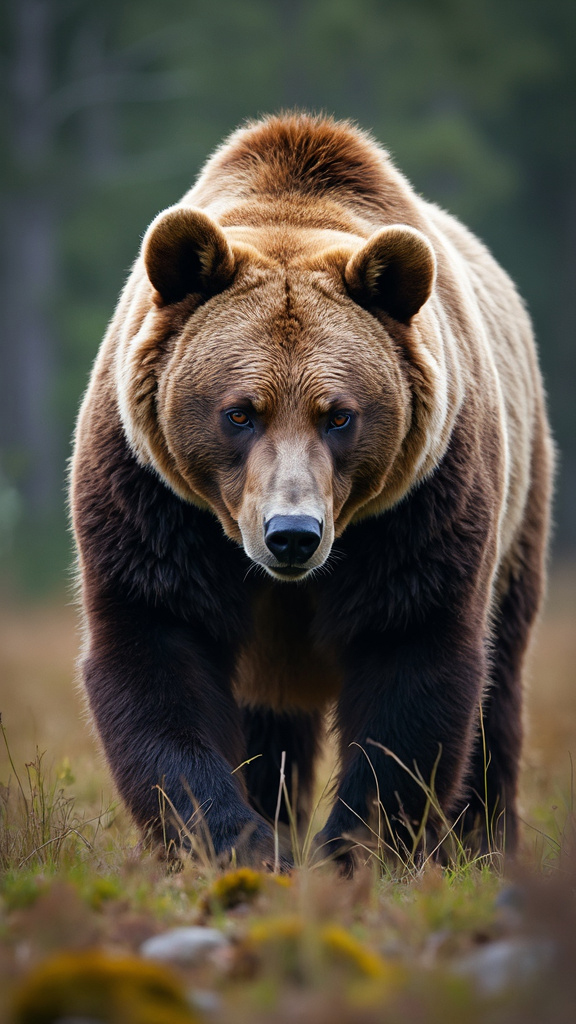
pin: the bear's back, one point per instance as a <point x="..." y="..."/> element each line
<point x="304" y="166"/>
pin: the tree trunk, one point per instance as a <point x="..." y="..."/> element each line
<point x="30" y="263"/>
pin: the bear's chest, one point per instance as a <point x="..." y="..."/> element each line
<point x="281" y="664"/>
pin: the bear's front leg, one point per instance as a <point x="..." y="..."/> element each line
<point x="416" y="694"/>
<point x="159" y="692"/>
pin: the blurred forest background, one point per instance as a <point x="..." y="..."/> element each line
<point x="109" y="110"/>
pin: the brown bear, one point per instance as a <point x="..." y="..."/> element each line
<point x="312" y="472"/>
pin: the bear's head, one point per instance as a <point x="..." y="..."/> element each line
<point x="286" y="378"/>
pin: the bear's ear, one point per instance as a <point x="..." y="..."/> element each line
<point x="185" y="251"/>
<point x="394" y="270"/>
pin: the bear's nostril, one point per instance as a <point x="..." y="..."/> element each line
<point x="292" y="539"/>
<point x="279" y="541"/>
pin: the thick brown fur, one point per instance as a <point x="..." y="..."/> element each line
<point x="304" y="336"/>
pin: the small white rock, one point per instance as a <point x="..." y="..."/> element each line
<point x="204" y="1000"/>
<point x="183" y="945"/>
<point x="506" y="963"/>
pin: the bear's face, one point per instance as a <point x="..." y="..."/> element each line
<point x="279" y="402"/>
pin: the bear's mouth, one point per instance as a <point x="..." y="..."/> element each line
<point x="290" y="572"/>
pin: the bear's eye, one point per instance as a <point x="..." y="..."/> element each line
<point x="339" y="420"/>
<point x="239" y="418"/>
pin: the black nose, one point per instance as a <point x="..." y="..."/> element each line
<point x="292" y="539"/>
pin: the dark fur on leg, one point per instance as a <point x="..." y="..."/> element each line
<point x="491" y="820"/>
<point x="268" y="733"/>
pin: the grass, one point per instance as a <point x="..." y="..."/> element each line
<point x="406" y="940"/>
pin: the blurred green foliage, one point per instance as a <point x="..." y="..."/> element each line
<point x="109" y="110"/>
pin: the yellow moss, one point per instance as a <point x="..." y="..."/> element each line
<point x="303" y="947"/>
<point x="240" y="886"/>
<point x="236" y="886"/>
<point x="284" y="881"/>
<point x="350" y="951"/>
<point x="279" y="946"/>
<point x="92" y="984"/>
<point x="276" y="929"/>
